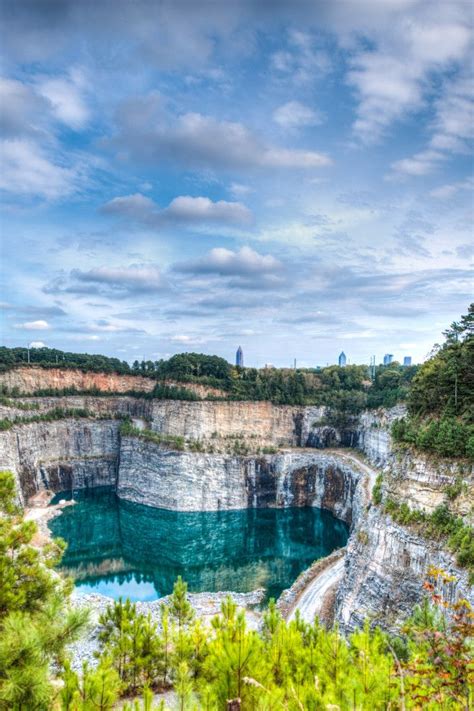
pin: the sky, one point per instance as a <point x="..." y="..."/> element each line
<point x="291" y="177"/>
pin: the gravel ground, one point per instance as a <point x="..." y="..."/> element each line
<point x="206" y="606"/>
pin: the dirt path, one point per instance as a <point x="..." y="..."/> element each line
<point x="311" y="601"/>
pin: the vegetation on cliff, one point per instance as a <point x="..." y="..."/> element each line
<point x="290" y="666"/>
<point x="441" y="397"/>
<point x="441" y="524"/>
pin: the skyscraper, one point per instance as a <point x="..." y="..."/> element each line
<point x="387" y="359"/>
<point x="407" y="361"/>
<point x="342" y="359"/>
<point x="239" y="357"/>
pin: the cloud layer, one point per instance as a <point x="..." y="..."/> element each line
<point x="293" y="177"/>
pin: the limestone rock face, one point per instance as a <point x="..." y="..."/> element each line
<point x="102" y="406"/>
<point x="61" y="455"/>
<point x="282" y="425"/>
<point x="29" y="379"/>
<point x="385" y="567"/>
<point x="185" y="481"/>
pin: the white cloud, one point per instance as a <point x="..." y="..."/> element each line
<point x="149" y="134"/>
<point x="294" y="114"/>
<point x="23" y="112"/>
<point x="392" y="78"/>
<point x="301" y="61"/>
<point x="135" y="278"/>
<point x="190" y="209"/>
<point x="37" y="344"/>
<point x="182" y="209"/>
<point x="66" y="95"/>
<point x="238" y="190"/>
<point x="39" y="325"/>
<point x="444" y="192"/>
<point x="422" y="163"/>
<point x="244" y="262"/>
<point x="26" y="170"/>
<point x="454" y="121"/>
<point x="453" y="128"/>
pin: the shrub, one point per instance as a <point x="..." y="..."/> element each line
<point x="377" y="490"/>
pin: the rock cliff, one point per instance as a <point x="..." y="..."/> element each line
<point x="63" y="455"/>
<point x="183" y="481"/>
<point x="385" y="567"/>
<point x="252" y="422"/>
<point x="30" y="379"/>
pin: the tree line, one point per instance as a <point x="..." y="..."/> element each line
<point x="346" y="390"/>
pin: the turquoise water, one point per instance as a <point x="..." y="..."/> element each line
<point x="119" y="548"/>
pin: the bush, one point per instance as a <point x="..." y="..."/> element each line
<point x="377" y="490"/>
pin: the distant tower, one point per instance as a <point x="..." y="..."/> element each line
<point x="407" y="361"/>
<point x="387" y="359"/>
<point x="342" y="359"/>
<point x="239" y="357"/>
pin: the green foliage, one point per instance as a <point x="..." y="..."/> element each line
<point x="195" y="366"/>
<point x="391" y="385"/>
<point x="53" y="358"/>
<point x="441" y="399"/>
<point x="57" y="413"/>
<point x="345" y="391"/>
<point x="92" y="690"/>
<point x="446" y="437"/>
<point x="7" y="402"/>
<point x="439" y="671"/>
<point x="133" y="646"/>
<point x="445" y="383"/>
<point x="162" y="391"/>
<point x="35" y="624"/>
<point x="127" y="429"/>
<point x="377" y="490"/>
<point x="297" y="665"/>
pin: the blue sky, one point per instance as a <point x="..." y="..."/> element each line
<point x="292" y="177"/>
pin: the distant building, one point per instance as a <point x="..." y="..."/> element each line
<point x="239" y="357"/>
<point x="387" y="359"/>
<point x="407" y="361"/>
<point x="342" y="359"/>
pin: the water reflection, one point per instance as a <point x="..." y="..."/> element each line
<point x="119" y="548"/>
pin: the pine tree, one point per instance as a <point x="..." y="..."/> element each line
<point x="35" y="623"/>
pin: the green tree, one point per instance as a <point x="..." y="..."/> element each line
<point x="35" y="621"/>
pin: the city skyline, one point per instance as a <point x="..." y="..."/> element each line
<point x="179" y="176"/>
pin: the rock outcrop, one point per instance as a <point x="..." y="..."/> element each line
<point x="29" y="379"/>
<point x="385" y="567"/>
<point x="183" y="481"/>
<point x="32" y="378"/>
<point x="251" y="422"/>
<point x="62" y="455"/>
